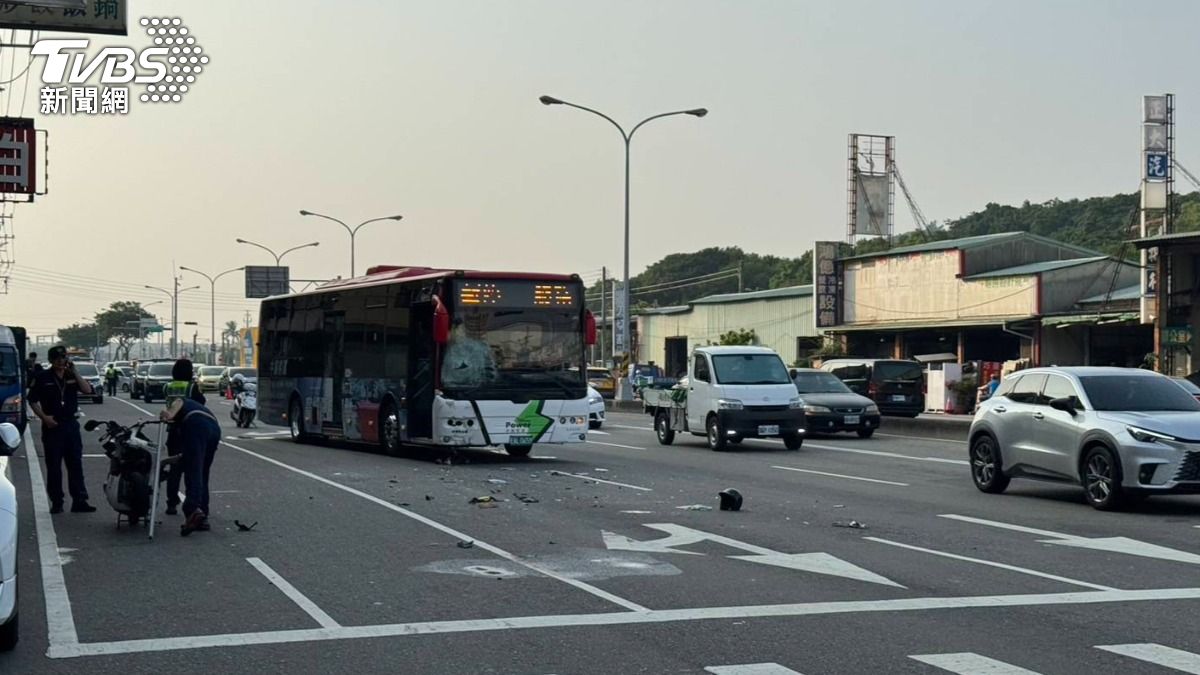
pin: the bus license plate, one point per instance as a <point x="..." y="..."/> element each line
<point x="851" y="420"/>
<point x="521" y="440"/>
<point x="768" y="430"/>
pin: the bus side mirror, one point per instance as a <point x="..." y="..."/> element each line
<point x="589" y="327"/>
<point x="441" y="325"/>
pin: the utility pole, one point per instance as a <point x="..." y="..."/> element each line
<point x="603" y="312"/>
<point x="175" y="317"/>
<point x="246" y="320"/>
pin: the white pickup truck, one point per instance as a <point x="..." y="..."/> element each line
<point x="730" y="393"/>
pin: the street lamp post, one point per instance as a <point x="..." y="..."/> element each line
<point x="174" y="309"/>
<point x="279" y="257"/>
<point x="628" y="138"/>
<point x="212" y="281"/>
<point x="351" y="231"/>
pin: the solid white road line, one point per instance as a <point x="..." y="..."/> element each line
<point x="614" y="445"/>
<point x="601" y="480"/>
<point x="309" y="607"/>
<point x="621" y="619"/>
<point x="60" y="621"/>
<point x="752" y="669"/>
<point x="838" y="475"/>
<point x="920" y="438"/>
<point x="1007" y="526"/>
<point x="1011" y="568"/>
<point x="627" y="604"/>
<point x="967" y="663"/>
<point x="1159" y="655"/>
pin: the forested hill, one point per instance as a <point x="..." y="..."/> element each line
<point x="1098" y="223"/>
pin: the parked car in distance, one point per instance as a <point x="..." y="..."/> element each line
<point x="602" y="380"/>
<point x="896" y="386"/>
<point x="157" y="378"/>
<point x="88" y="371"/>
<point x="209" y="377"/>
<point x="138" y="383"/>
<point x="1188" y="386"/>
<point x="1121" y="433"/>
<point x="829" y="405"/>
<point x="595" y="409"/>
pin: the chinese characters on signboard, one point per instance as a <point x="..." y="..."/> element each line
<point x="620" y="326"/>
<point x="96" y="16"/>
<point x="827" y="284"/>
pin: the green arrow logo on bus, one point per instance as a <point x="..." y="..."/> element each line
<point x="532" y="418"/>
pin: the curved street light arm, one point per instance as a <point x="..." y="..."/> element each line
<point x="651" y="118"/>
<point x="276" y="257"/>
<point x="279" y="258"/>
<point x="597" y="112"/>
<point x="359" y="226"/>
<point x="320" y="215"/>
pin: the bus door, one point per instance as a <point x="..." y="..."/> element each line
<point x="420" y="371"/>
<point x="335" y="369"/>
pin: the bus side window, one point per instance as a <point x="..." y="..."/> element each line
<point x="396" y="339"/>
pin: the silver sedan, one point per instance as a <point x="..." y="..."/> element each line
<point x="1121" y="433"/>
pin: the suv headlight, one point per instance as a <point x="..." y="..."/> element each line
<point x="729" y="404"/>
<point x="816" y="409"/>
<point x="1147" y="436"/>
<point x="871" y="409"/>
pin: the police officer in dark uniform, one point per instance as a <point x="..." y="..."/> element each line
<point x="53" y="397"/>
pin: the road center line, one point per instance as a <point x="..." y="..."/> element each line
<point x="309" y="607"/>
<point x="600" y="593"/>
<point x="614" y="445"/>
<point x="838" y="475"/>
<point x="621" y="619"/>
<point x="60" y="621"/>
<point x="601" y="480"/>
<point x="1011" y="568"/>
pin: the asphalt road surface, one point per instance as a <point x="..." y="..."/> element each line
<point x="608" y="557"/>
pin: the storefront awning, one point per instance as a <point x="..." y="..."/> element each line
<point x="1090" y="319"/>
<point x="929" y="324"/>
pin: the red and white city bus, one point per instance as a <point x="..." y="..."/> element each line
<point x="429" y="356"/>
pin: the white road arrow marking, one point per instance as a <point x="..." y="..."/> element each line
<point x="679" y="535"/>
<point x="1111" y="544"/>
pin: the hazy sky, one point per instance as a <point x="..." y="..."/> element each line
<point x="429" y="109"/>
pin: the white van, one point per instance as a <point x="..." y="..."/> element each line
<point x="731" y="393"/>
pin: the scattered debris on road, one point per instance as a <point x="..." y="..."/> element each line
<point x="694" y="507"/>
<point x="853" y="525"/>
<point x="428" y="498"/>
<point x="485" y="499"/>
<point x="524" y="498"/>
<point x="243" y="527"/>
<point x="466" y="544"/>
<point x="497" y="481"/>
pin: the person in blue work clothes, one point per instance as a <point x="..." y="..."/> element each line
<point x="182" y="385"/>
<point x="199" y="435"/>
<point x="54" y="398"/>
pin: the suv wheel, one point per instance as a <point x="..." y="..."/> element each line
<point x="1102" y="479"/>
<point x="986" y="469"/>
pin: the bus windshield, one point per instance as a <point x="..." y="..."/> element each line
<point x="504" y="352"/>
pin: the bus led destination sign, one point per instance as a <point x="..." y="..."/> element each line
<point x="516" y="293"/>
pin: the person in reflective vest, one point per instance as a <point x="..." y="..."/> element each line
<point x="182" y="386"/>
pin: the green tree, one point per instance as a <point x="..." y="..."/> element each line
<point x="78" y="335"/>
<point x="113" y="323"/>
<point x="738" y="337"/>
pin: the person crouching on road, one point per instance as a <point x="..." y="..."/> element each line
<point x="199" y="434"/>
<point x="182" y="385"/>
<point x="54" y="398"/>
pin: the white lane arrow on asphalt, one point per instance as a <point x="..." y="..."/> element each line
<point x="1128" y="546"/>
<point x="1112" y="544"/>
<point x="679" y="535"/>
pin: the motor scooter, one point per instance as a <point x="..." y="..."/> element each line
<point x="245" y="406"/>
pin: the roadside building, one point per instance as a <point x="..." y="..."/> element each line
<point x="1177" y="269"/>
<point x="985" y="298"/>
<point x="781" y="318"/>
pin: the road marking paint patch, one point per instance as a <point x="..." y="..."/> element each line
<point x="990" y="563"/>
<point x="601" y="480"/>
<point x="1159" y="655"/>
<point x="752" y="669"/>
<point x="968" y="663"/>
<point x="619" y="619"/>
<point x="301" y="600"/>
<point x="839" y="475"/>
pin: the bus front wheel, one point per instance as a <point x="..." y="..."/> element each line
<point x="389" y="429"/>
<point x="296" y="421"/>
<point x="517" y="450"/>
